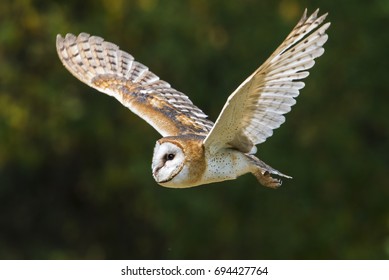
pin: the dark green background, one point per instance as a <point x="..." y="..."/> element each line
<point x="75" y="176"/>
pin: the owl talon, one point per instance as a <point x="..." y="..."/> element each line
<point x="268" y="181"/>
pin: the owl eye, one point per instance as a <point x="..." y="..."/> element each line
<point x="170" y="156"/>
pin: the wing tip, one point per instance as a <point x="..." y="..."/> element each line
<point x="59" y="41"/>
<point x="71" y="38"/>
<point x="313" y="17"/>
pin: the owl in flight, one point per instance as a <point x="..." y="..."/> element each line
<point x="194" y="150"/>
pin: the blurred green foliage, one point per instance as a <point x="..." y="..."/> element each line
<point x="75" y="178"/>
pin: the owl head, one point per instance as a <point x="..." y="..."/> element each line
<point x="178" y="161"/>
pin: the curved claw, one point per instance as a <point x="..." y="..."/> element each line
<point x="267" y="180"/>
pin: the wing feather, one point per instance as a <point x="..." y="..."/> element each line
<point x="103" y="66"/>
<point x="257" y="106"/>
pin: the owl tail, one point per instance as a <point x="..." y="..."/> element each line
<point x="263" y="172"/>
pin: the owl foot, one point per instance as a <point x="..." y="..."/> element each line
<point x="266" y="180"/>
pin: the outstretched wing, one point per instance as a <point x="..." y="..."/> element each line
<point x="103" y="66"/>
<point x="257" y="106"/>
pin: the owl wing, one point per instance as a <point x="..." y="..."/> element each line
<point x="257" y="106"/>
<point x="103" y="66"/>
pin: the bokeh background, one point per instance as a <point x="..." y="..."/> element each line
<point x="75" y="176"/>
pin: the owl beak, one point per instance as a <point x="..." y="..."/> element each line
<point x="160" y="177"/>
<point x="156" y="173"/>
<point x="156" y="166"/>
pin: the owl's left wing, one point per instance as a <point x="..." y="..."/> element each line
<point x="257" y="106"/>
<point x="103" y="66"/>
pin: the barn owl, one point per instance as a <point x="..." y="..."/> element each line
<point x="193" y="150"/>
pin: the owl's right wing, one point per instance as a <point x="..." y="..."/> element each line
<point x="103" y="66"/>
<point x="257" y="106"/>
